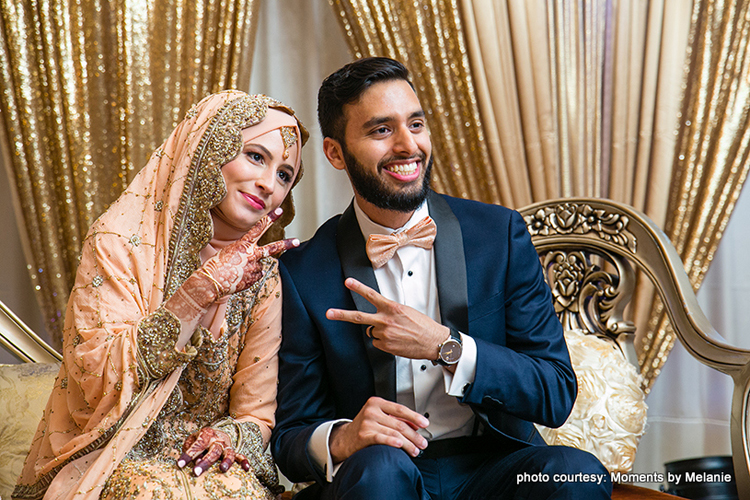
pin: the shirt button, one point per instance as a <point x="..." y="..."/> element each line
<point x="423" y="367"/>
<point x="427" y="414"/>
<point x="410" y="273"/>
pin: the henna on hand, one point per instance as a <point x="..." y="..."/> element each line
<point x="235" y="268"/>
<point x="206" y="447"/>
<point x="243" y="461"/>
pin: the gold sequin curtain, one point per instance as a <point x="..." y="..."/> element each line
<point x="89" y="89"/>
<point x="427" y="36"/>
<point x="581" y="99"/>
<point x="713" y="148"/>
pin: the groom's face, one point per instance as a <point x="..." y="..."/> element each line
<point x="387" y="150"/>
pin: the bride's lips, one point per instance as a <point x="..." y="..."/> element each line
<point x="254" y="201"/>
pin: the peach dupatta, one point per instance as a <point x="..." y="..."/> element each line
<point x="134" y="257"/>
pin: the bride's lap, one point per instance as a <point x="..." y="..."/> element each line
<point x="162" y="480"/>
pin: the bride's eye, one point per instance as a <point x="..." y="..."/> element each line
<point x="253" y="156"/>
<point x="285" y="176"/>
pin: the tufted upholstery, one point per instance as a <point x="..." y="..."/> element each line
<point x="24" y="390"/>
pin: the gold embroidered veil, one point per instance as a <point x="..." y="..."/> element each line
<point x="133" y="258"/>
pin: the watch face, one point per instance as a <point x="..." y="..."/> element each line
<point x="450" y="352"/>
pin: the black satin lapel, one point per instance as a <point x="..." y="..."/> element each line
<point x="355" y="264"/>
<point x="450" y="265"/>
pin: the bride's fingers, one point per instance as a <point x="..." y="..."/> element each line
<point x="212" y="455"/>
<point x="243" y="461"/>
<point x="194" y="446"/>
<point x="229" y="456"/>
<point x="189" y="442"/>
<point x="260" y="227"/>
<point x="277" y="247"/>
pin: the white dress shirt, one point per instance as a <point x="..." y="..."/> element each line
<point x="410" y="279"/>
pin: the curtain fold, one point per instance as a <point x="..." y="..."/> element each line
<point x="581" y="99"/>
<point x="588" y="89"/>
<point x="427" y="36"/>
<point x="713" y="146"/>
<point x="597" y="86"/>
<point x="89" y="89"/>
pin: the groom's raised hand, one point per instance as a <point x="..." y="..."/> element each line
<point x="395" y="328"/>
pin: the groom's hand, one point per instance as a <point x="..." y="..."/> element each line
<point x="395" y="328"/>
<point x="379" y="422"/>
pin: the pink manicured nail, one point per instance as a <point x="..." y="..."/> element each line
<point x="198" y="471"/>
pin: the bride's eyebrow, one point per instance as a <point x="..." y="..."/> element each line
<point x="262" y="148"/>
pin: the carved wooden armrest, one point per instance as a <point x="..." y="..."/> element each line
<point x="589" y="249"/>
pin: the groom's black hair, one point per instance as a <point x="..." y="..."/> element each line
<point x="346" y="85"/>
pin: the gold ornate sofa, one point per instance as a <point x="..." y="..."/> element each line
<point x="590" y="250"/>
<point x="24" y="390"/>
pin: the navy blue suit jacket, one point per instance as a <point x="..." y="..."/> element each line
<point x="490" y="286"/>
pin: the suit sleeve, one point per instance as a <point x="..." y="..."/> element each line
<point x="303" y="399"/>
<point x="529" y="377"/>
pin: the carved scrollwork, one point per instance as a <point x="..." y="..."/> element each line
<point x="567" y="218"/>
<point x="587" y="297"/>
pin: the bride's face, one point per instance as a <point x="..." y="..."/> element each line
<point x="257" y="181"/>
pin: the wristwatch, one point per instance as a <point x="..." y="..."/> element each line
<point x="449" y="352"/>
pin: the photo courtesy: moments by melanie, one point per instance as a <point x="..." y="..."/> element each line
<point x="623" y="477"/>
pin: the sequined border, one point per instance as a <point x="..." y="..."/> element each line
<point x="157" y="336"/>
<point x="205" y="187"/>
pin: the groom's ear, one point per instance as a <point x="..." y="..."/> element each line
<point x="333" y="152"/>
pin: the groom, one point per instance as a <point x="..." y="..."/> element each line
<point x="413" y="364"/>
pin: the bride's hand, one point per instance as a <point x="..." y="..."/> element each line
<point x="206" y="447"/>
<point x="233" y="269"/>
<point x="237" y="266"/>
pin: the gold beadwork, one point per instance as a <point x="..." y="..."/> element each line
<point x="289" y="136"/>
<point x="157" y="335"/>
<point x="192" y="112"/>
<point x="201" y="399"/>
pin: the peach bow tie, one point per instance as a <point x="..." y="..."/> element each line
<point x="381" y="247"/>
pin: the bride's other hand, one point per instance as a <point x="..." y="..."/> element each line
<point x="206" y="447"/>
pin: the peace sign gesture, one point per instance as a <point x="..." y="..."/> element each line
<point x="237" y="266"/>
<point x="233" y="269"/>
<point x="395" y="328"/>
